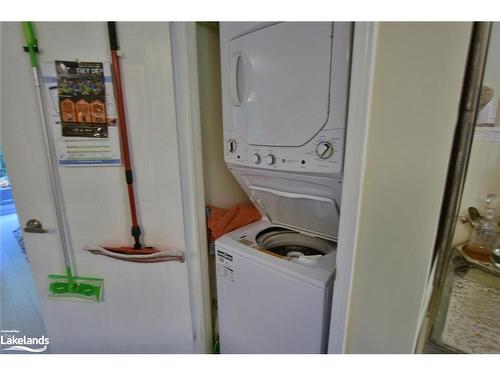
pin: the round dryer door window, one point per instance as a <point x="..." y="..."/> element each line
<point x="280" y="83"/>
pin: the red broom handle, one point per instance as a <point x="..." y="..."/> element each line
<point x="122" y="123"/>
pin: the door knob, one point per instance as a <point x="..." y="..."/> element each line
<point x="34" y="226"/>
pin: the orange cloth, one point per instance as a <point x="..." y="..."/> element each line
<point x="222" y="221"/>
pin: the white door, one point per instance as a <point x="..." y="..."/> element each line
<point x="145" y="307"/>
<point x="275" y="69"/>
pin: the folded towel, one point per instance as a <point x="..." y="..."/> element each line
<point x="222" y="221"/>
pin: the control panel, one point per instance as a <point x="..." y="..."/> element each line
<point x="323" y="154"/>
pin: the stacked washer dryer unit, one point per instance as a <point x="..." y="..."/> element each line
<point x="285" y="89"/>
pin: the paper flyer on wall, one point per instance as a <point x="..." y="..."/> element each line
<point x="88" y="136"/>
<point x="80" y="86"/>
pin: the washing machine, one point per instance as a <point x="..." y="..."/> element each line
<point x="285" y="90"/>
<point x="274" y="287"/>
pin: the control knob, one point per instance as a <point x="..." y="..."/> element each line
<point x="270" y="159"/>
<point x="324" y="150"/>
<point x="256" y="158"/>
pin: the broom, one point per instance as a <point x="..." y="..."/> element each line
<point x="137" y="248"/>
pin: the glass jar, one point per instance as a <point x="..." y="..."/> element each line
<point x="484" y="232"/>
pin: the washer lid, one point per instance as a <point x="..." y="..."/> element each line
<point x="306" y="202"/>
<point x="275" y="69"/>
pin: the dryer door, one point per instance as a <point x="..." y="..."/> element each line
<point x="280" y="82"/>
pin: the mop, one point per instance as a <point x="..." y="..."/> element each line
<point x="67" y="285"/>
<point x="137" y="252"/>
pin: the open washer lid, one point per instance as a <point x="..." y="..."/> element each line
<point x="305" y="202"/>
<point x="277" y="68"/>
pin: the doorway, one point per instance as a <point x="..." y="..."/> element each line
<point x="20" y="310"/>
<point x="466" y="305"/>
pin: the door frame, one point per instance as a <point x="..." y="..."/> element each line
<point x="468" y="111"/>
<point x="187" y="107"/>
<point x="360" y="98"/>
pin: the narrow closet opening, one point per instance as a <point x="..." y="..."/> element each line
<point x="221" y="188"/>
<point x="273" y="114"/>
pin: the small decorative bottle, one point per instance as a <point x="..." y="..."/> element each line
<point x="483" y="234"/>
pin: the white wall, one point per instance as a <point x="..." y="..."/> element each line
<point x="146" y="306"/>
<point x="491" y="113"/>
<point x="483" y="177"/>
<point x="221" y="188"/>
<point x="417" y="82"/>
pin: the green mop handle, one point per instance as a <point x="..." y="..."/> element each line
<point x="29" y="36"/>
<point x="31" y="42"/>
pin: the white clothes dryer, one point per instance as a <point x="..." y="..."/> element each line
<point x="285" y="90"/>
